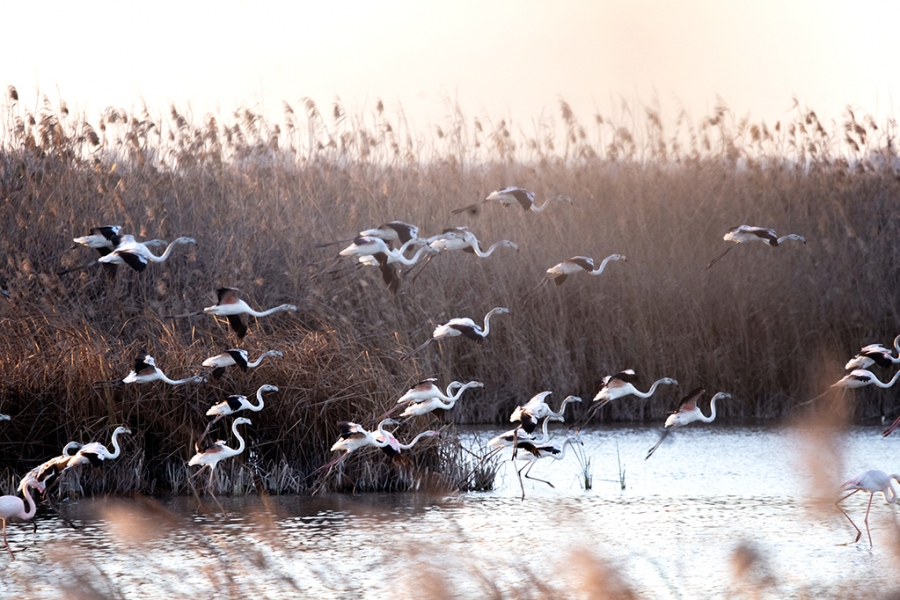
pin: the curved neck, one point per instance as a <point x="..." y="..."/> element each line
<point x="537" y="208"/>
<point x="890" y="489"/>
<point x="385" y="436"/>
<point x="649" y="392"/>
<point x="240" y="447"/>
<point x="790" y="236"/>
<point x="712" y="412"/>
<point x="174" y="381"/>
<point x="461" y="389"/>
<point x="259" y="399"/>
<point x="397" y="255"/>
<point x="893" y="380"/>
<point x="416" y="439"/>
<point x="164" y="255"/>
<point x="562" y="451"/>
<point x="115" y="444"/>
<point x="545" y="434"/>
<point x="562" y="407"/>
<point x="450" y="388"/>
<point x="487" y="323"/>
<point x="33" y="509"/>
<point x="488" y="252"/>
<point x="897" y="345"/>
<point x="602" y="266"/>
<point x="261" y="356"/>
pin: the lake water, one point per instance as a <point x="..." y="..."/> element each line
<point x="671" y="533"/>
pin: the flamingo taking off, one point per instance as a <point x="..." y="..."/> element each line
<point x="871" y="481"/>
<point x="467" y="242"/>
<point x="95" y="453"/>
<point x="235" y="356"/>
<point x="211" y="455"/>
<point x="145" y="371"/>
<point x="393" y="447"/>
<point x="748" y="233"/>
<point x="875" y="354"/>
<point x="531" y="413"/>
<point x="462" y="326"/>
<point x="13" y="506"/>
<point x="395" y="231"/>
<point x="374" y="252"/>
<point x="231" y="306"/>
<point x="418" y="407"/>
<point x="533" y="452"/>
<point x="512" y="195"/>
<point x="688" y="412"/>
<point x="354" y="436"/>
<point x="136" y="254"/>
<point x="237" y="403"/>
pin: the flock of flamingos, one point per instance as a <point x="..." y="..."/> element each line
<point x="375" y="247"/>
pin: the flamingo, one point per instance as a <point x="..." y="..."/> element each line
<point x="13" y="506"/>
<point x="748" y="233"/>
<point x="145" y="371"/>
<point x="104" y="239"/>
<point x="531" y="413"/>
<point x="687" y="413"/>
<point x="354" y="436"/>
<point x="558" y="273"/>
<point x="55" y="465"/>
<point x="511" y="195"/>
<point x="394" y="447"/>
<point x="95" y="453"/>
<point x="136" y="254"/>
<point x="463" y="326"/>
<point x="237" y="403"/>
<point x="621" y="384"/>
<point x="426" y="405"/>
<point x="235" y="356"/>
<point x="211" y="455"/>
<point x="871" y="481"/>
<point x="875" y="354"/>
<point x="467" y="242"/>
<point x="532" y="452"/>
<point x="374" y="251"/>
<point x="231" y="306"/>
<point x="861" y="377"/>
<point x="389" y="232"/>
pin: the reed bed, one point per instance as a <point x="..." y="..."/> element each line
<point x="770" y="326"/>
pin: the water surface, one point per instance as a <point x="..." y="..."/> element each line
<point x="670" y="533"/>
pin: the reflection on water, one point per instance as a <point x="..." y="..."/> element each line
<point x="672" y="533"/>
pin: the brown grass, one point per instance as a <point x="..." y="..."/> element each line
<point x="258" y="196"/>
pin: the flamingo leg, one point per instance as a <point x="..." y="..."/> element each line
<point x="653" y="449"/>
<point x="892" y="427"/>
<point x="719" y="257"/>
<point x="858" y="530"/>
<point x="527" y="476"/>
<point x="408" y="355"/>
<point x="868" y="508"/>
<point x="6" y="543"/>
<point x="208" y="427"/>
<point x="521" y="485"/>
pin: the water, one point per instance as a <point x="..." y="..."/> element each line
<point x="669" y="534"/>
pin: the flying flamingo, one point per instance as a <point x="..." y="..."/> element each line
<point x="104" y="239"/>
<point x="231" y="306"/>
<point x="747" y="233"/>
<point x="872" y="482"/>
<point x="467" y="242"/>
<point x="621" y="384"/>
<point x="511" y="195"/>
<point x="13" y="506"/>
<point x="687" y="413"/>
<point x="395" y="231"/>
<point x="375" y="252"/>
<point x="861" y="377"/>
<point x="235" y="356"/>
<point x="514" y="436"/>
<point x="55" y="465"/>
<point x="211" y="455"/>
<point x="237" y="403"/>
<point x="424" y="406"/>
<point x="461" y="326"/>
<point x="354" y="436"/>
<point x="145" y="371"/>
<point x="136" y="254"/>
<point x="875" y="354"/>
<point x="95" y="453"/>
<point x="531" y="413"/>
<point x="560" y="272"/>
<point x="532" y="452"/>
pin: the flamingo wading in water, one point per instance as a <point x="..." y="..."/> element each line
<point x="13" y="506"/>
<point x="871" y="481"/>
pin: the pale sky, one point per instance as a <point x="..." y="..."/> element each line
<point x="497" y="58"/>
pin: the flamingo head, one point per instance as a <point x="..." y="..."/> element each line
<point x="268" y="388"/>
<point x="241" y="420"/>
<point x="122" y="430"/>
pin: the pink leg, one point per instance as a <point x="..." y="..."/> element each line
<point x="893" y="426"/>
<point x="871" y="497"/>
<point x="838" y="504"/>
<point x="5" y="543"/>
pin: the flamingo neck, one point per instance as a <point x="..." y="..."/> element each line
<point x="897" y="345"/>
<point x="385" y="437"/>
<point x="450" y="388"/>
<point x="545" y="433"/>
<point x="649" y="392"/>
<point x="267" y="312"/>
<point x="415" y="257"/>
<point x="487" y="323"/>
<point x="890" y="488"/>
<point x="562" y="451"/>
<point x="259" y="360"/>
<point x="790" y="236"/>
<point x="259" y="398"/>
<point x="416" y="439"/>
<point x="537" y="208"/>
<point x="240" y="447"/>
<point x="893" y="380"/>
<point x="488" y="252"/>
<point x="162" y="257"/>
<point x="115" y="445"/>
<point x="602" y="266"/>
<point x="712" y="412"/>
<point x="32" y="508"/>
<point x="461" y="389"/>
<point x="174" y="381"/>
<point x="562" y="408"/>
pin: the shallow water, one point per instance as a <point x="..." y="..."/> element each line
<point x="669" y="534"/>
